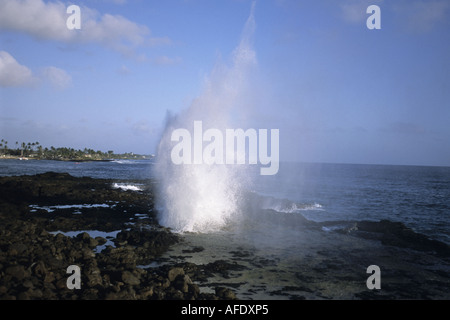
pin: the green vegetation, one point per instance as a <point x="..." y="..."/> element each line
<point x="34" y="150"/>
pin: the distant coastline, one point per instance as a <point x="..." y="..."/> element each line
<point x="35" y="151"/>
<point x="2" y="157"/>
<point x="136" y="157"/>
<point x="116" y="157"/>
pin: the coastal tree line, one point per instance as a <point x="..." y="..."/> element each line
<point x="36" y="151"/>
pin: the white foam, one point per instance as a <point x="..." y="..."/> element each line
<point x="121" y="161"/>
<point x="295" y="207"/>
<point x="49" y="209"/>
<point x="126" y="187"/>
<point x="314" y="206"/>
<point x="284" y="205"/>
<point x="199" y="199"/>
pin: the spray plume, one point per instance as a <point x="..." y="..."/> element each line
<point x="202" y="197"/>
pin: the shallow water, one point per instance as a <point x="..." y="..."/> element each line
<point x="109" y="236"/>
<point x="417" y="196"/>
<point x="311" y="264"/>
<point x="280" y="257"/>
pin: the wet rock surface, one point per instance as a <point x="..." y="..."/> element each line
<point x="35" y="213"/>
<point x="51" y="221"/>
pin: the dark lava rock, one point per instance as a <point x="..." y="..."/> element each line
<point x="35" y="254"/>
<point x="193" y="250"/>
<point x="155" y="241"/>
<point x="223" y="267"/>
<point x="182" y="283"/>
<point x="225" y="293"/>
<point x="17" y="272"/>
<point x="397" y="234"/>
<point x="174" y="273"/>
<point x="129" y="278"/>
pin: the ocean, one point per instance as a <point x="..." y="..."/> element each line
<point x="269" y="244"/>
<point x="417" y="196"/>
<point x="116" y="169"/>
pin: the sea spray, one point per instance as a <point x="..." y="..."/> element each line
<point x="204" y="197"/>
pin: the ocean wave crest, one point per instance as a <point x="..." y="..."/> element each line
<point x="258" y="201"/>
<point x="126" y="187"/>
<point x="286" y="206"/>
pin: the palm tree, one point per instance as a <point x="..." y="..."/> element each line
<point x="23" y="148"/>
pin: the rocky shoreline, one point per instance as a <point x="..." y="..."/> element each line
<point x="51" y="221"/>
<point x="35" y="211"/>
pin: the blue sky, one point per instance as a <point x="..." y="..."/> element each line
<point x="337" y="91"/>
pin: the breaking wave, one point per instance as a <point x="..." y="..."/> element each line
<point x="126" y="187"/>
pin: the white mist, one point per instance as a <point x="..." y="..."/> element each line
<point x="204" y="197"/>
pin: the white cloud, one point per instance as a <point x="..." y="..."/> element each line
<point x="114" y="32"/>
<point x="58" y="78"/>
<point x="47" y="20"/>
<point x="13" y="74"/>
<point x="42" y="20"/>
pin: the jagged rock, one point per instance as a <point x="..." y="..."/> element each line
<point x="182" y="283"/>
<point x="33" y="261"/>
<point x="397" y="234"/>
<point x="130" y="278"/>
<point x="225" y="293"/>
<point x="174" y="273"/>
<point x="17" y="271"/>
<point x="100" y="241"/>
